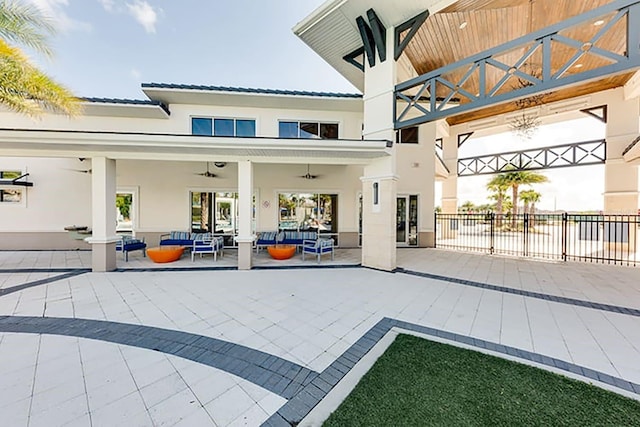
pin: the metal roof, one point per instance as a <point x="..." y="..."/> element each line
<point x="261" y="91"/>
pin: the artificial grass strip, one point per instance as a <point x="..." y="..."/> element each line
<point x="418" y="382"/>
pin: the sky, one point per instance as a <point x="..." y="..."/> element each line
<point x="107" y="48"/>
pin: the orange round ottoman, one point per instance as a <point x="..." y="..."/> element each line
<point x="281" y="251"/>
<point x="165" y="253"/>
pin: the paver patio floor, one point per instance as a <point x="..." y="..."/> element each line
<point x="300" y="320"/>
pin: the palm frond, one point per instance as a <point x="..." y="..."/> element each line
<point x="25" y="25"/>
<point x="25" y="89"/>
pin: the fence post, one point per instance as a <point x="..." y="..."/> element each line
<point x="435" y="229"/>
<point x="525" y="235"/>
<point x="493" y="229"/>
<point x="564" y="236"/>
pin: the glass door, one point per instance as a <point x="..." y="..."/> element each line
<point x="407" y="220"/>
<point x="401" y="220"/>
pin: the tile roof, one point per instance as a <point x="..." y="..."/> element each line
<point x="250" y="90"/>
<point x="126" y="101"/>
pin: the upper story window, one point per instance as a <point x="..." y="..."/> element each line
<point x="223" y="127"/>
<point x="308" y="130"/>
<point x="408" y="135"/>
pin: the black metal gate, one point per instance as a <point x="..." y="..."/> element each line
<point x="611" y="239"/>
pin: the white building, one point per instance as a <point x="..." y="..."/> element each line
<point x="288" y="159"/>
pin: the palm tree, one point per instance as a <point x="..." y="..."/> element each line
<point x="498" y="186"/>
<point x="24" y="88"/>
<point x="517" y="178"/>
<point x="530" y="198"/>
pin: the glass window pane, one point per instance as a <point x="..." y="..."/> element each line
<point x="245" y="128"/>
<point x="10" y="196"/>
<point x="329" y="130"/>
<point x="223" y="127"/>
<point x="288" y="130"/>
<point x="201" y="126"/>
<point x="201" y="211"/>
<point x="309" y="130"/>
<point x="409" y="135"/>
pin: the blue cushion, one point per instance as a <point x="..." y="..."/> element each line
<point x="179" y="235"/>
<point x="201" y="236"/>
<point x="175" y="242"/>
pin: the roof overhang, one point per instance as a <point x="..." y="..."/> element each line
<point x="230" y="98"/>
<point x="121" y="145"/>
<point x="331" y="30"/>
<point x="124" y="108"/>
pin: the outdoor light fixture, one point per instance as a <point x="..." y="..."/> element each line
<point x="463" y="25"/>
<point x="598" y="23"/>
<point x="220" y="164"/>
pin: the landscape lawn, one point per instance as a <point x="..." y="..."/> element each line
<point x="418" y="382"/>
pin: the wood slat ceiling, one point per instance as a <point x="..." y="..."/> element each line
<point x="490" y="23"/>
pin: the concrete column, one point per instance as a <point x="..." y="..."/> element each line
<point x="103" y="211"/>
<point x="245" y="215"/>
<point x="426" y="182"/>
<point x="379" y="189"/>
<point x="621" y="179"/>
<point x="450" y="186"/>
<point x="378" y="219"/>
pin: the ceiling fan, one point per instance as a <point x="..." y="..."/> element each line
<point x="308" y="175"/>
<point x="207" y="174"/>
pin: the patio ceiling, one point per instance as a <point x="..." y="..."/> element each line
<point x="468" y="27"/>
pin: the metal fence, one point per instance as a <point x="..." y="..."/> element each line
<point x="610" y="239"/>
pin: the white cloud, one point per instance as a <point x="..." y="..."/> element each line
<point x="54" y="10"/>
<point x="109" y="5"/>
<point x="145" y="14"/>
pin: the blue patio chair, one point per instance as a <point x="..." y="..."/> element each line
<point x="212" y="245"/>
<point x="318" y="248"/>
<point x="128" y="244"/>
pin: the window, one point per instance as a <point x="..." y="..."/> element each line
<point x="407" y="135"/>
<point x="308" y="130"/>
<point x="309" y="212"/>
<point x="216" y="213"/>
<point x="223" y="127"/>
<point x="10" y="195"/>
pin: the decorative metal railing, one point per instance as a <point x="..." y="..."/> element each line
<point x="558" y="156"/>
<point x="465" y="85"/>
<point x="610" y="239"/>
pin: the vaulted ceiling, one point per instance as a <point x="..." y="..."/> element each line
<point x="469" y="27"/>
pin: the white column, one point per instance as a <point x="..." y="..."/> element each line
<point x="378" y="219"/>
<point x="621" y="179"/>
<point x="427" y="182"/>
<point x="245" y="214"/>
<point x="450" y="185"/>
<point x="103" y="211"/>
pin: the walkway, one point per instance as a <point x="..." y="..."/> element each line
<point x="246" y="348"/>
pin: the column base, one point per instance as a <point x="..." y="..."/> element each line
<point x="103" y="257"/>
<point x="245" y="255"/>
<point x="427" y="239"/>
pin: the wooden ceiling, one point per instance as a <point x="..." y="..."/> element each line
<point x="490" y="23"/>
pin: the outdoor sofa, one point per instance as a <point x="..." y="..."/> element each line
<point x="183" y="238"/>
<point x="285" y="237"/>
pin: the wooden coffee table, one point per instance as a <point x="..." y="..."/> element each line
<point x="281" y="251"/>
<point x="164" y="254"/>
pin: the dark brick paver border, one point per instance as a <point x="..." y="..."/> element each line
<point x="298" y="407"/>
<point x="530" y="294"/>
<point x="23" y="286"/>
<point x="270" y="372"/>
